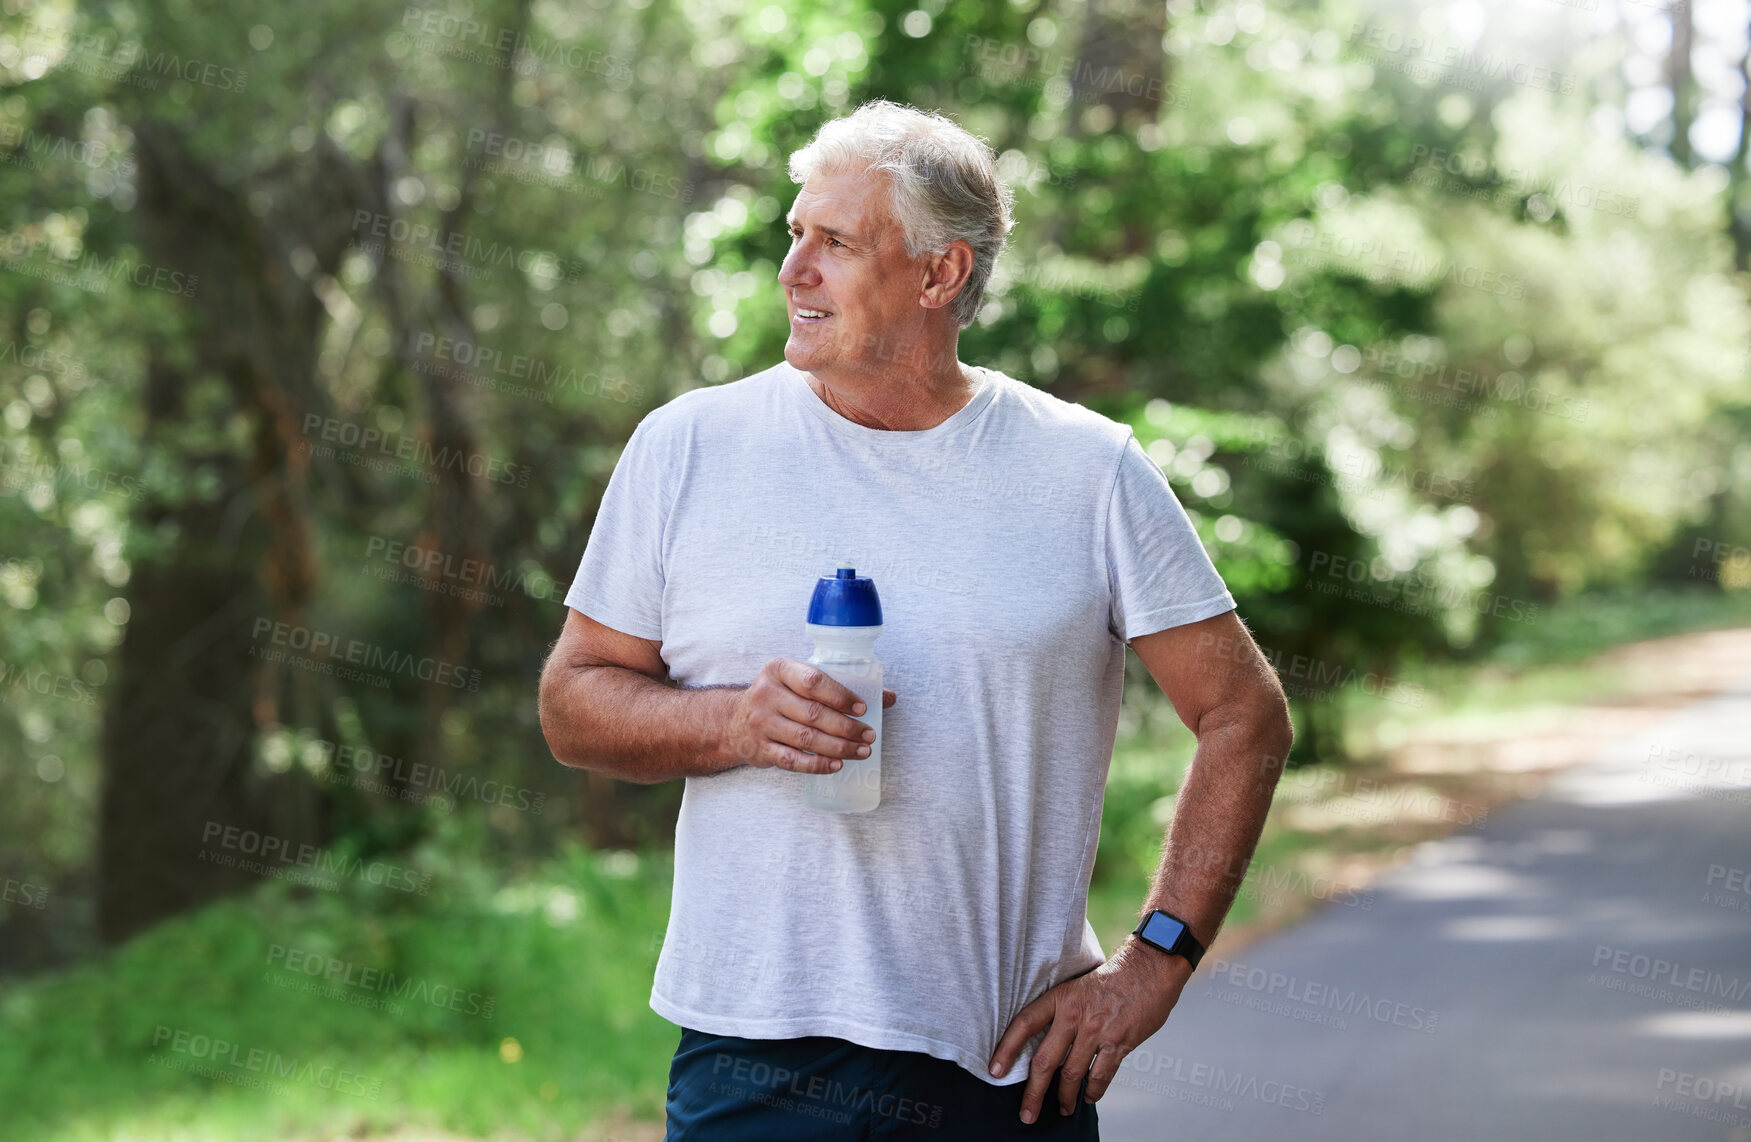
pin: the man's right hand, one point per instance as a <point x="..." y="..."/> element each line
<point x="795" y="716"/>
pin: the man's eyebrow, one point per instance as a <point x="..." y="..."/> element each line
<point x="790" y="224"/>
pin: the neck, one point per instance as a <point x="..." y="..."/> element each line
<point x="896" y="399"/>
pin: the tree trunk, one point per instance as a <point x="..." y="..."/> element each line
<point x="177" y="731"/>
<point x="1121" y="65"/>
<point x="1739" y="192"/>
<point x="1682" y="81"/>
<point x="192" y="687"/>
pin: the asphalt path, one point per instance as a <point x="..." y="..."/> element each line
<point x="1576" y="967"/>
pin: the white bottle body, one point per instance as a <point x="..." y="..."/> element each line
<point x="847" y="654"/>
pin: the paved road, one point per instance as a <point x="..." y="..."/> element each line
<point x="1579" y="967"/>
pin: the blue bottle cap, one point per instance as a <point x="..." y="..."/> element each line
<point x="844" y="600"/>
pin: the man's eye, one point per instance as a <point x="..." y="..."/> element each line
<point x="796" y="235"/>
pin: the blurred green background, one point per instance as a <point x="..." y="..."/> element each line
<point x="322" y="325"/>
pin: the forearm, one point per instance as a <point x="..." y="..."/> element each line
<point x="631" y="727"/>
<point x="1219" y="815"/>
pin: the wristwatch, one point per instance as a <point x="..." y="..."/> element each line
<point x="1170" y="934"/>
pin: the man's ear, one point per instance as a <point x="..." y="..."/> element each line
<point x="945" y="275"/>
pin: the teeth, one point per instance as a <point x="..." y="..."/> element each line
<point x="801" y="312"/>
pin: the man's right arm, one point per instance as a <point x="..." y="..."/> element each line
<point x="606" y="705"/>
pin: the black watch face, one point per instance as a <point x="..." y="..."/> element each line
<point x="1162" y="929"/>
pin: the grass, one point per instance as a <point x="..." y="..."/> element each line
<point x="551" y="965"/>
<point x="1552" y="661"/>
<point x="1557" y="663"/>
<point x="1591" y="623"/>
<point x="523" y="1008"/>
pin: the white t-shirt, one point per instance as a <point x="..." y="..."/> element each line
<point x="1016" y="546"/>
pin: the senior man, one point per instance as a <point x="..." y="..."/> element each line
<point x="885" y="974"/>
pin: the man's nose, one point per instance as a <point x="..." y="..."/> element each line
<point x="798" y="268"/>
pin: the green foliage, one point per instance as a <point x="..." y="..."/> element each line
<point x="426" y="992"/>
<point x="1591" y="623"/>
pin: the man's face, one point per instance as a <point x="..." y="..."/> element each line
<point x="848" y="260"/>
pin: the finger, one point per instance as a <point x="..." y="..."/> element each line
<point x="812" y="682"/>
<point x="809" y="712"/>
<point x="1047" y="1057"/>
<point x="887" y="698"/>
<point x="1103" y="1072"/>
<point x="1076" y="1065"/>
<point x="1028" y="1022"/>
<point x="808" y="739"/>
<point x="797" y="761"/>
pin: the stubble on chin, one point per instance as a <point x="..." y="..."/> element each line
<point x="814" y="353"/>
<point x="801" y="359"/>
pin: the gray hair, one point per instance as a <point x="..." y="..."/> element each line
<point x="943" y="179"/>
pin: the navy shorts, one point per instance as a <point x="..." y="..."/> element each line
<point x="817" y="1089"/>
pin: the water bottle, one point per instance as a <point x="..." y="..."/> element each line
<point x="845" y="619"/>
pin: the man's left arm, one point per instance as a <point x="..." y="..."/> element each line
<point x="1228" y="696"/>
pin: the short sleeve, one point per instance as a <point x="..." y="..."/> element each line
<point x="620" y="580"/>
<point x="1159" y="573"/>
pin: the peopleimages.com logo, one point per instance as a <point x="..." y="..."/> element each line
<point x="231" y="846"/>
<point x="399" y="447"/>
<point x="242" y="1065"/>
<point x="314" y="973"/>
<point x="1279" y="993"/>
<point x="322" y="650"/>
